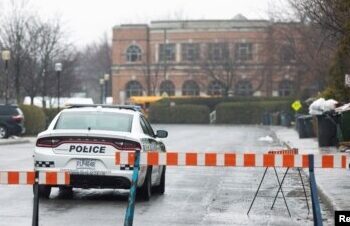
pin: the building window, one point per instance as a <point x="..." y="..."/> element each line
<point x="190" y="51"/>
<point x="244" y="51"/>
<point x="167" y="52"/>
<point x="167" y="87"/>
<point x="285" y="88"/>
<point x="218" y="51"/>
<point x="133" y="54"/>
<point x="243" y="88"/>
<point x="190" y="88"/>
<point x="287" y="54"/>
<point x="216" y="88"/>
<point x="133" y="88"/>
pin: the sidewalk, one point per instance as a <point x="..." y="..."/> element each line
<point x="16" y="140"/>
<point x="334" y="184"/>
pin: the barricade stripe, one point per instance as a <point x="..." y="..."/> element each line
<point x="162" y="159"/>
<point x="117" y="158"/>
<point x="220" y="159"/>
<point x="3" y="178"/>
<point x="343" y="161"/>
<point x="30" y="177"/>
<point x="191" y="159"/>
<point x="66" y="178"/>
<point x="171" y="159"/>
<point x="13" y="177"/>
<point x="201" y="159"/>
<point x="153" y="158"/>
<point x="22" y="178"/>
<point x="288" y="160"/>
<point x="131" y="158"/>
<point x="269" y="160"/>
<point x="51" y="178"/>
<point x="327" y="161"/>
<point x="249" y="160"/>
<point x="305" y="161"/>
<point x="42" y="178"/>
<point x="259" y="160"/>
<point x="210" y="159"/>
<point x="230" y="159"/>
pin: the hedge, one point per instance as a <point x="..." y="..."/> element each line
<point x="34" y="119"/>
<point x="250" y="112"/>
<point x="184" y="114"/>
<point x="50" y="114"/>
<point x="211" y="102"/>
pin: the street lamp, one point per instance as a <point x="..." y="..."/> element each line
<point x="106" y="78"/>
<point x="6" y="55"/>
<point x="58" y="69"/>
<point x="102" y="82"/>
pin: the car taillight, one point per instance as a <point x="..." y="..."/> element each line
<point x="17" y="118"/>
<point x="130" y="145"/>
<point x="47" y="142"/>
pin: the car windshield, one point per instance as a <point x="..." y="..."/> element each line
<point x="95" y="121"/>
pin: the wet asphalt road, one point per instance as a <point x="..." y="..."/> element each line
<point x="194" y="195"/>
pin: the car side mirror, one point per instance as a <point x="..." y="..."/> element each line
<point x="162" y="134"/>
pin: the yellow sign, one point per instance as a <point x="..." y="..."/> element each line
<point x="296" y="105"/>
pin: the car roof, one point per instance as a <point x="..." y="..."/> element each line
<point x="101" y="109"/>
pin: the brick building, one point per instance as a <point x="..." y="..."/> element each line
<point x="237" y="57"/>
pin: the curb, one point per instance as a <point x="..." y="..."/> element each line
<point x="18" y="141"/>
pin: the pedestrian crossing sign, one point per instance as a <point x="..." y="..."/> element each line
<point x="296" y="105"/>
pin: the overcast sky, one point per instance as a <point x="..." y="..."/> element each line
<point x="87" y="20"/>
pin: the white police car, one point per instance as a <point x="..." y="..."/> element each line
<point x="83" y="139"/>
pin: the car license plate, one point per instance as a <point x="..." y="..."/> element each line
<point x="86" y="164"/>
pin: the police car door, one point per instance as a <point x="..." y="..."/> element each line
<point x="150" y="144"/>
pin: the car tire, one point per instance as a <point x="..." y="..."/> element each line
<point x="160" y="189"/>
<point x="3" y="132"/>
<point x="145" y="191"/>
<point x="66" y="191"/>
<point x="44" y="191"/>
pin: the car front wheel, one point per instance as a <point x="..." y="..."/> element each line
<point x="160" y="189"/>
<point x="145" y="191"/>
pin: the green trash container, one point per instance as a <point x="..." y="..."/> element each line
<point x="304" y="127"/>
<point x="344" y="126"/>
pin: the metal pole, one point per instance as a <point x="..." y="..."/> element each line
<point x="284" y="198"/>
<point x="35" y="218"/>
<point x="316" y="209"/>
<point x="302" y="183"/>
<point x="58" y="90"/>
<point x="279" y="188"/>
<point x="257" y="191"/>
<point x="102" y="93"/>
<point x="7" y="81"/>
<point x="105" y="92"/>
<point x="129" y="215"/>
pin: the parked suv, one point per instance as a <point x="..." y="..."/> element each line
<point x="11" y="121"/>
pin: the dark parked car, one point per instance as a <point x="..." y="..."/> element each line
<point x="11" y="121"/>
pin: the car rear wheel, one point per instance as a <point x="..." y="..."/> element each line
<point x="3" y="132"/>
<point x="145" y="191"/>
<point x="160" y="189"/>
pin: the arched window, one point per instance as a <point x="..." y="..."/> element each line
<point x="287" y="54"/>
<point x="243" y="88"/>
<point x="190" y="88"/>
<point x="133" y="53"/>
<point x="167" y="87"/>
<point x="285" y="88"/>
<point x="133" y="88"/>
<point x="216" y="88"/>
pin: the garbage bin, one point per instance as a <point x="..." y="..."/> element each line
<point x="276" y="119"/>
<point x="266" y="119"/>
<point x="327" y="129"/>
<point x="286" y="119"/>
<point x="304" y="126"/>
<point x="344" y="121"/>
